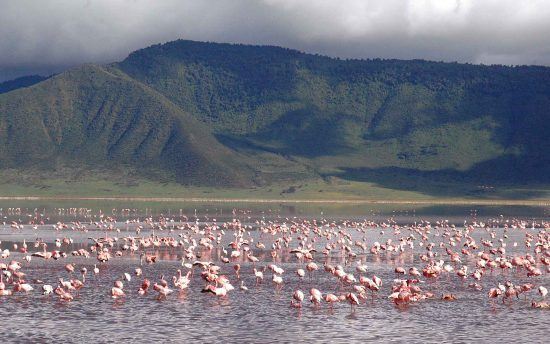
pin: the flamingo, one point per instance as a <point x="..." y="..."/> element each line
<point x="298" y="297"/>
<point x="315" y="296"/>
<point x="542" y="291"/>
<point x="259" y="276"/>
<point x="278" y="281"/>
<point x="353" y="300"/>
<point x="116" y="290"/>
<point x="331" y="299"/>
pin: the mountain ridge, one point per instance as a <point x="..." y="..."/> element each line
<point x="276" y="114"/>
<point x="99" y="115"/>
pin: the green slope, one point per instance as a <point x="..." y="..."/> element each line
<point x="235" y="115"/>
<point x="95" y="115"/>
<point x="342" y="114"/>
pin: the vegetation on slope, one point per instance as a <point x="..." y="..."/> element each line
<point x="371" y="114"/>
<point x="93" y="115"/>
<point x="24" y="81"/>
<point x="272" y="115"/>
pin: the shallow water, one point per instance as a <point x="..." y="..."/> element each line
<point x="262" y="314"/>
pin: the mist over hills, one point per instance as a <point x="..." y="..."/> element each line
<point x="238" y="115"/>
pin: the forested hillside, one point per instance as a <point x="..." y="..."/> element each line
<point x="238" y="115"/>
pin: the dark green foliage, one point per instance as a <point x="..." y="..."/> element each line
<point x="96" y="115"/>
<point x="24" y="81"/>
<point x="358" y="119"/>
<point x="427" y="115"/>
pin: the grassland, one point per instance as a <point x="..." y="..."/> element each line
<point x="330" y="190"/>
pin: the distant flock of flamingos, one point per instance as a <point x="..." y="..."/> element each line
<point x="445" y="250"/>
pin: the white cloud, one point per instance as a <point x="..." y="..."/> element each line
<point x="46" y="33"/>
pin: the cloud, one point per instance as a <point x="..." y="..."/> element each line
<point x="50" y="34"/>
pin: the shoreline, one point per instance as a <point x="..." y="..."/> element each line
<point x="539" y="203"/>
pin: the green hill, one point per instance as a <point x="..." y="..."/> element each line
<point x="360" y="114"/>
<point x="239" y="115"/>
<point x="95" y="115"/>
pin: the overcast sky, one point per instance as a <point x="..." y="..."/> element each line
<point x="48" y="35"/>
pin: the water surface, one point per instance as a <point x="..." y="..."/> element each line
<point x="260" y="314"/>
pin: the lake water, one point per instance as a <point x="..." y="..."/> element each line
<point x="262" y="313"/>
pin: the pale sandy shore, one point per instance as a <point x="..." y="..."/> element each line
<point x="259" y="200"/>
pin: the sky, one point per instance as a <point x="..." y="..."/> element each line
<point x="45" y="36"/>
